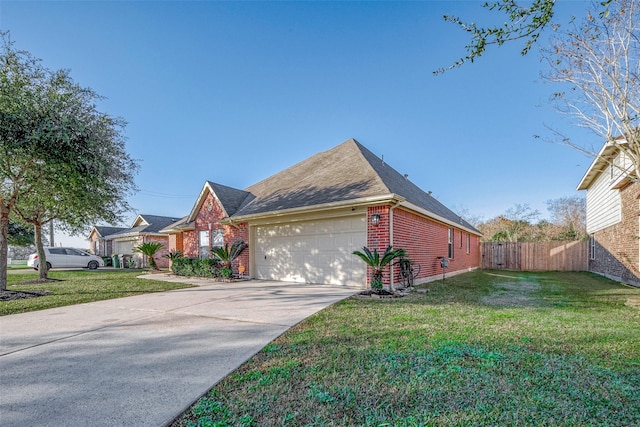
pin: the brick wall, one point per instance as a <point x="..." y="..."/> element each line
<point x="208" y="217"/>
<point x="378" y="237"/>
<point x="160" y="259"/>
<point x="616" y="251"/>
<point x="190" y="244"/>
<point x="425" y="240"/>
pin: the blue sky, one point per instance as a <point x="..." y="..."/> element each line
<point x="234" y="92"/>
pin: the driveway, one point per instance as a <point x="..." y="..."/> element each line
<point x="141" y="360"/>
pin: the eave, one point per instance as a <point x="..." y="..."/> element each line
<point x="600" y="163"/>
<point x="438" y="218"/>
<point x="365" y="201"/>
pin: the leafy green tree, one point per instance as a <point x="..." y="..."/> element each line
<point x="59" y="156"/>
<point x="378" y="262"/>
<point x="524" y="22"/>
<point x="20" y="235"/>
<point x="149" y="249"/>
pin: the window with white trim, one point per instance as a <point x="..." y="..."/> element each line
<point x="217" y="240"/>
<point x="592" y="247"/>
<point x="468" y="243"/>
<point x="450" y="243"/>
<point x="204" y="249"/>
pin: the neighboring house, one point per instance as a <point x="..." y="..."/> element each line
<point x="106" y="241"/>
<point x="613" y="215"/>
<point x="302" y="224"/>
<point x="98" y="244"/>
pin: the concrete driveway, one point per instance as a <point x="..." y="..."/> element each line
<point x="141" y="360"/>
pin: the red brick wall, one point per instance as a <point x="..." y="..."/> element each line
<point x="190" y="244"/>
<point x="378" y="237"/>
<point x="160" y="259"/>
<point x="425" y="240"/>
<point x="616" y="252"/>
<point x="211" y="213"/>
<point x="233" y="234"/>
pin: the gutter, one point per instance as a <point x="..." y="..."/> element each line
<point x="391" y="237"/>
<point x="439" y="218"/>
<point x="365" y="201"/>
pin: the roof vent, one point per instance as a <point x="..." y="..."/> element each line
<point x="406" y="176"/>
<point x="429" y="192"/>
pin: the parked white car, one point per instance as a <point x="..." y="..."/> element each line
<point x="66" y="258"/>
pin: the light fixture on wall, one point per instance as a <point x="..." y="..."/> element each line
<point x="375" y="219"/>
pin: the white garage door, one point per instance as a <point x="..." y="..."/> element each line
<point x="312" y="251"/>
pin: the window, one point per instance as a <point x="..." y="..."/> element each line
<point x="204" y="248"/>
<point x="468" y="243"/>
<point x="592" y="247"/>
<point x="217" y="240"/>
<point x="460" y="239"/>
<point x="451" y="243"/>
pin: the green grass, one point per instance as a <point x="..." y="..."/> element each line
<point x="76" y="287"/>
<point x="483" y="348"/>
<point x="18" y="264"/>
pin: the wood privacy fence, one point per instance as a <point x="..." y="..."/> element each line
<point x="535" y="256"/>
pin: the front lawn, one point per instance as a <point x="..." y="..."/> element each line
<point x="483" y="348"/>
<point x="76" y="287"/>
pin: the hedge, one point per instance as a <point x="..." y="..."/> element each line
<point x="199" y="267"/>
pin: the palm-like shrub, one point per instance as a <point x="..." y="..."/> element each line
<point x="149" y="249"/>
<point x="225" y="255"/>
<point x="378" y="262"/>
<point x="174" y="255"/>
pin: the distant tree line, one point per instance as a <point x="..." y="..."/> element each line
<point x="567" y="221"/>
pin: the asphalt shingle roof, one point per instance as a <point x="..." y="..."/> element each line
<point x="346" y="172"/>
<point x="105" y="230"/>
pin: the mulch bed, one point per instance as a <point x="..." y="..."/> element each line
<point x="382" y="293"/>
<point x="15" y="295"/>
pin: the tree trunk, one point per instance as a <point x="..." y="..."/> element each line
<point x="4" y="245"/>
<point x="43" y="271"/>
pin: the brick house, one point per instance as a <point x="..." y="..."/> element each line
<point x="612" y="215"/>
<point x="302" y="224"/>
<point x="106" y="241"/>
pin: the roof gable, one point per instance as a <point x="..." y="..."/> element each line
<point x="336" y="175"/>
<point x="346" y="172"/>
<point x="142" y="224"/>
<point x="229" y="199"/>
<point x="609" y="152"/>
<point x="103" y="230"/>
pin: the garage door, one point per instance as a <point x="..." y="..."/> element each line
<point x="312" y="251"/>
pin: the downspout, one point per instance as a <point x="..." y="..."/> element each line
<point x="391" y="239"/>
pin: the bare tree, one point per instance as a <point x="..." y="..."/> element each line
<point x="597" y="65"/>
<point x="569" y="215"/>
<point x="516" y="225"/>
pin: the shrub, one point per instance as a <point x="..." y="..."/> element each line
<point x="200" y="267"/>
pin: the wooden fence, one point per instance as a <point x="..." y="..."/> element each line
<point x="535" y="256"/>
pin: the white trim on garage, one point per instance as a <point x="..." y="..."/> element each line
<point x="311" y="251"/>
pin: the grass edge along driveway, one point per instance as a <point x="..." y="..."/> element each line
<point x="482" y="348"/>
<point x="80" y="286"/>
